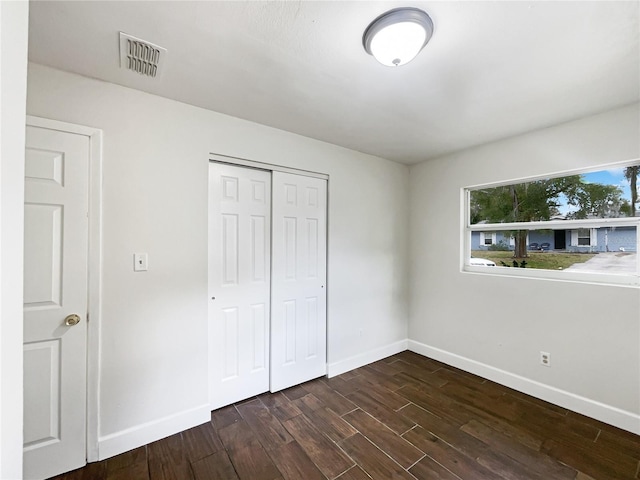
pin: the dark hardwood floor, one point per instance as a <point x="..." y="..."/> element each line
<point x="404" y="417"/>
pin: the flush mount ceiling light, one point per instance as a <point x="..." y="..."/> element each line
<point x="396" y="37"/>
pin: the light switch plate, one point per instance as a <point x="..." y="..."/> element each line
<point x="140" y="262"/>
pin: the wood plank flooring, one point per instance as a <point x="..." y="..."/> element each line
<point x="404" y="417"/>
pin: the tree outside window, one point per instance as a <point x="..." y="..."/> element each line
<point x="572" y="197"/>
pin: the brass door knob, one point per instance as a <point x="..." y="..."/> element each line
<point x="72" y="320"/>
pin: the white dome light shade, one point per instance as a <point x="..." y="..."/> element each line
<point x="398" y="44"/>
<point x="396" y="37"/>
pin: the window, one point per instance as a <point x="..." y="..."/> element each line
<point x="488" y="238"/>
<point x="581" y="226"/>
<point x="583" y="237"/>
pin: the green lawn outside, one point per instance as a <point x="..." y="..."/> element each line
<point x="542" y="260"/>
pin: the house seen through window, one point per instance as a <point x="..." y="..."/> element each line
<point x="582" y="225"/>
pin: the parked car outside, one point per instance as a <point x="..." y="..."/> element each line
<point x="481" y="262"/>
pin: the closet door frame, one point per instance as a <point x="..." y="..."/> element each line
<point x="243" y="162"/>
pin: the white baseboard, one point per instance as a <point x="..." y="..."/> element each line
<point x="125" y="440"/>
<point x="365" y="358"/>
<point x="605" y="413"/>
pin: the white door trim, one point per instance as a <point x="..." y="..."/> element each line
<point x="95" y="268"/>
<point x="244" y="162"/>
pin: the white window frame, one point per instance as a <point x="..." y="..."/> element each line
<point x="622" y="279"/>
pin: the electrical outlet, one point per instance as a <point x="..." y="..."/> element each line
<point x="545" y="359"/>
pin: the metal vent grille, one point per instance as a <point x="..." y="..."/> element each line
<point x="141" y="56"/>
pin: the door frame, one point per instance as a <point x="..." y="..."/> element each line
<point x="94" y="270"/>
<point x="244" y="162"/>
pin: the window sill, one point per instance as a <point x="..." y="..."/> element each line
<point x="618" y="280"/>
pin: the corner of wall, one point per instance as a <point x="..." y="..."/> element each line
<point x="365" y="358"/>
<point x="14" y="33"/>
<point x="605" y="413"/>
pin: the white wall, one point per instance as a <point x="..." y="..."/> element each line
<point x="13" y="86"/>
<point x="496" y="326"/>
<point x="154" y="324"/>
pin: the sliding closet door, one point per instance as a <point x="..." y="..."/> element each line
<point x="298" y="296"/>
<point x="239" y="282"/>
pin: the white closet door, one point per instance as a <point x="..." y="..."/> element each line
<point x="239" y="282"/>
<point x="298" y="313"/>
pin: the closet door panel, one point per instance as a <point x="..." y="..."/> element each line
<point x="239" y="282"/>
<point x="299" y="264"/>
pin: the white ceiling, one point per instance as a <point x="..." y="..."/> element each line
<point x="491" y="70"/>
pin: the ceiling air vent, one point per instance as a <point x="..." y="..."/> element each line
<point x="141" y="56"/>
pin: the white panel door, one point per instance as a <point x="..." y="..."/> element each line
<point x="55" y="286"/>
<point x="239" y="282"/>
<point x="298" y="313"/>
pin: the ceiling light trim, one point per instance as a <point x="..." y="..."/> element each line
<point x="398" y="16"/>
